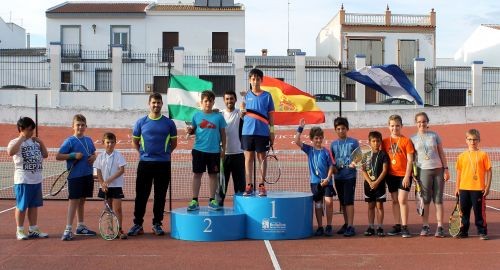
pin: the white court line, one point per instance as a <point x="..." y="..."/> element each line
<point x="487" y="206"/>
<point x="7" y="210"/>
<point x="272" y="255"/>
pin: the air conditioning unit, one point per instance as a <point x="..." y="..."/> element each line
<point x="78" y="67"/>
<point x="148" y="88"/>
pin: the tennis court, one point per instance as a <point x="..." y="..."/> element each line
<point x="153" y="252"/>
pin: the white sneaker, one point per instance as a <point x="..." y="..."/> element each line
<point x="20" y="235"/>
<point x="36" y="233"/>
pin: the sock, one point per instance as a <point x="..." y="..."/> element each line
<point x="33" y="228"/>
<point x="80" y="224"/>
<point x="68" y="228"/>
<point x="370" y="226"/>
<point x="20" y="228"/>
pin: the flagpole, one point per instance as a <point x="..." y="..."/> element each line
<point x="340" y="89"/>
<point x="169" y="69"/>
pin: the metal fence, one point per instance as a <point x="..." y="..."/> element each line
<point x="24" y="68"/>
<point x="447" y="86"/>
<point x="491" y="86"/>
<point x="89" y="71"/>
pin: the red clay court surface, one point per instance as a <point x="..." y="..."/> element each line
<point x="154" y="252"/>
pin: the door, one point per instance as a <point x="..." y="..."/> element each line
<point x="170" y="40"/>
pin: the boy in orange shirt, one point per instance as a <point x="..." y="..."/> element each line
<point x="400" y="151"/>
<point x="473" y="184"/>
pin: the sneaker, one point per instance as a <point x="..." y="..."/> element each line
<point x="342" y="229"/>
<point x="483" y="236"/>
<point x="380" y="232"/>
<point x="349" y="231"/>
<point x="67" y="235"/>
<point x="439" y="232"/>
<point x="214" y="205"/>
<point x="122" y="235"/>
<point x="36" y="233"/>
<point x="193" y="205"/>
<point x="319" y="232"/>
<point x="405" y="233"/>
<point x="20" y="235"/>
<point x="262" y="190"/>
<point x="370" y="231"/>
<point x="158" y="230"/>
<point x="83" y="230"/>
<point x="462" y="235"/>
<point x="248" y="190"/>
<point x="328" y="230"/>
<point x="425" y="231"/>
<point x="135" y="230"/>
<point x="396" y="230"/>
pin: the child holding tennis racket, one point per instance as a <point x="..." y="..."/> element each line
<point x="473" y="184"/>
<point x="374" y="169"/>
<point x="209" y="128"/>
<point x="345" y="177"/>
<point x="28" y="153"/>
<point x="78" y="151"/>
<point x="320" y="174"/>
<point x="110" y="167"/>
<point x="400" y="150"/>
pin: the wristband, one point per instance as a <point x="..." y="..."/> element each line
<point x="446" y="168"/>
<point x="271" y="129"/>
<point x="72" y="155"/>
<point x="300" y="129"/>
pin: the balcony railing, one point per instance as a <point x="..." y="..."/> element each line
<point x="380" y="19"/>
<point x="71" y="50"/>
<point x="220" y="55"/>
<point x="126" y="50"/>
<point x="166" y="55"/>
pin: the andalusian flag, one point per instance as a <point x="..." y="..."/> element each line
<point x="183" y="96"/>
<point x="292" y="104"/>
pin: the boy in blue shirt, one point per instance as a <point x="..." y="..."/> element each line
<point x="209" y="128"/>
<point x="345" y="177"/>
<point x="80" y="151"/>
<point x="320" y="171"/>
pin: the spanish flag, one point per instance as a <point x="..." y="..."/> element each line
<point x="291" y="104"/>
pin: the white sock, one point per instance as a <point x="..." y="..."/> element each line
<point x="33" y="228"/>
<point x="69" y="228"/>
<point x="20" y="228"/>
<point x="80" y="224"/>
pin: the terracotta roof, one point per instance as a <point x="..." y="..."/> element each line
<point x="494" y="26"/>
<point x="96" y="7"/>
<point x="160" y="7"/>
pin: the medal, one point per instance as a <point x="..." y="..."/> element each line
<point x="372" y="177"/>
<point x="474" y="177"/>
<point x="393" y="162"/>
<point x="427" y="157"/>
<point x="317" y="173"/>
<point x="474" y="166"/>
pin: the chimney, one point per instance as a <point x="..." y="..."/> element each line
<point x="264" y="52"/>
<point x="28" y="41"/>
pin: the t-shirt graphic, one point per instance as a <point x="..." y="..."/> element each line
<point x="32" y="158"/>
<point x="207" y="124"/>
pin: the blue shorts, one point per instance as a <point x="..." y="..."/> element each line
<point x="203" y="161"/>
<point x="255" y="143"/>
<point x="81" y="187"/>
<point x="319" y="192"/>
<point x="28" y="196"/>
<point x="345" y="190"/>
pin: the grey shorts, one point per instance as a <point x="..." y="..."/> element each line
<point x="432" y="184"/>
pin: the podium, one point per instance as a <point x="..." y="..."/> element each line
<point x="278" y="216"/>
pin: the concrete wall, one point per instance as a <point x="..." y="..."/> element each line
<point x="126" y="118"/>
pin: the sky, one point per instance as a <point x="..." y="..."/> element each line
<point x="280" y="24"/>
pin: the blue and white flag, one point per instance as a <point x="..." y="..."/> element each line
<point x="389" y="80"/>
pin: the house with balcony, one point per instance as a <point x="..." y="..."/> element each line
<point x="148" y="32"/>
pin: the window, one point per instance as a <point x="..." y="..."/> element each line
<point x="103" y="80"/>
<point x="221" y="83"/>
<point x="160" y="84"/>
<point x="220" y="50"/>
<point x="170" y="40"/>
<point x="70" y="41"/>
<point x="407" y="51"/>
<point x="120" y="35"/>
<point x="65" y="80"/>
<point x="371" y="48"/>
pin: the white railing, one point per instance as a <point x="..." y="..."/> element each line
<point x="405" y="19"/>
<point x="372" y="19"/>
<point x="379" y="19"/>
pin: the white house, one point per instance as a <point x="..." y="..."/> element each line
<point x="383" y="38"/>
<point x="483" y="44"/>
<point x="12" y="36"/>
<point x="215" y="27"/>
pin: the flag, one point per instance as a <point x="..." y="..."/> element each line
<point x="183" y="96"/>
<point x="389" y="80"/>
<point x="291" y="104"/>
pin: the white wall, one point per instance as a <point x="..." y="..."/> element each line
<point x="12" y="36"/>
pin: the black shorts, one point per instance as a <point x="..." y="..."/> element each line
<point x="375" y="195"/>
<point x="203" y="161"/>
<point x="395" y="182"/>
<point x="81" y="187"/>
<point x="255" y="143"/>
<point x="345" y="190"/>
<point x="319" y="192"/>
<point x="113" y="193"/>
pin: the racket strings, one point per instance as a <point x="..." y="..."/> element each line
<point x="273" y="169"/>
<point x="108" y="225"/>
<point x="59" y="183"/>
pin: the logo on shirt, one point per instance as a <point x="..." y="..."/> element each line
<point x="207" y="124"/>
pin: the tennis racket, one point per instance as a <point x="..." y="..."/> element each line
<point x="61" y="181"/>
<point x="419" y="198"/>
<point x="272" y="167"/>
<point x="360" y="155"/>
<point x="109" y="227"/>
<point x="455" y="220"/>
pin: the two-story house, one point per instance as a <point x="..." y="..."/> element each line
<point x="12" y="36"/>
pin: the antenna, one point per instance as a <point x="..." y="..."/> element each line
<point x="288" y="27"/>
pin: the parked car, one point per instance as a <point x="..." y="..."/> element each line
<point x="326" y="98"/>
<point x="400" y="101"/>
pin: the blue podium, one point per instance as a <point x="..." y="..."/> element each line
<point x="280" y="215"/>
<point x="207" y="225"/>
